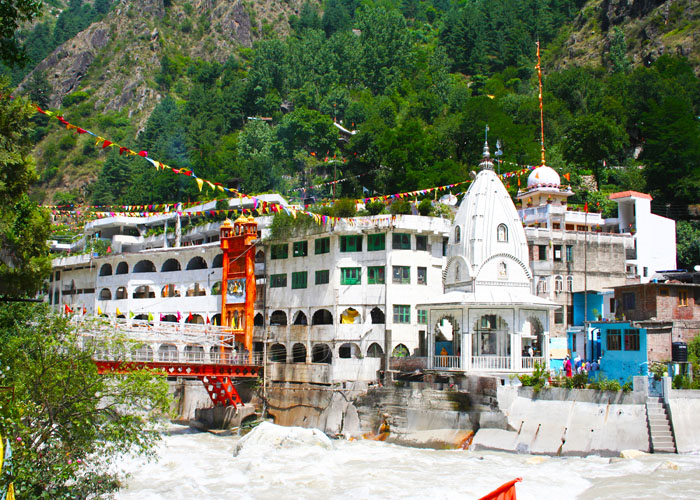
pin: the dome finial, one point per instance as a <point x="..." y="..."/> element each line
<point x="486" y="162"/>
<point x="539" y="77"/>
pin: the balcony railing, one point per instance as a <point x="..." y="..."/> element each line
<point x="529" y="363"/>
<point x="491" y="363"/>
<point x="447" y="362"/>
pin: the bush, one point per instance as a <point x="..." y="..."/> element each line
<point x="538" y="379"/>
<point x="400" y="207"/>
<point x="344" y="207"/>
<point x="375" y="207"/>
<point x="578" y="381"/>
<point x="425" y="207"/>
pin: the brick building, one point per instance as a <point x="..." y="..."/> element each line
<point x="668" y="307"/>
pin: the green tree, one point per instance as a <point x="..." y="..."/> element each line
<point x="15" y="13"/>
<point x="67" y="423"/>
<point x="618" y="52"/>
<point x="591" y="139"/>
<point x="688" y="244"/>
<point x="24" y="227"/>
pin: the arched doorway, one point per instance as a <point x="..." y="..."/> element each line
<point x="278" y="353"/>
<point x="375" y="351"/>
<point x="447" y="337"/>
<point x="299" y="353"/>
<point x="321" y="353"/>
<point x="491" y="339"/>
<point x="349" y="350"/>
<point x="322" y="317"/>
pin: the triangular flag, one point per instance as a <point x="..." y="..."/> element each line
<point x="200" y="182"/>
<point x="99" y="310"/>
<point x="119" y="313"/>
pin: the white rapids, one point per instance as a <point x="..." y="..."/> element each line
<point x="293" y="463"/>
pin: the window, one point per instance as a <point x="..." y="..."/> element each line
<point x="569" y="253"/>
<point x="559" y="316"/>
<point x="322" y="277"/>
<point x="402" y="314"/>
<point x="631" y="340"/>
<point x="569" y="283"/>
<point x="445" y="242"/>
<point x="422" y="317"/>
<point x="458" y="234"/>
<point x="401" y="275"/>
<point x="278" y="281"/>
<point x="323" y="245"/>
<point x="558" y="284"/>
<point x="279" y="251"/>
<point x="350" y="276"/>
<point x="557" y="253"/>
<point x="682" y="298"/>
<point x="502" y="233"/>
<point x="645" y="271"/>
<point x="375" y="275"/>
<point x="422" y="275"/>
<point x="542" y="251"/>
<point x="401" y="241"/>
<point x="614" y="340"/>
<point x="300" y="248"/>
<point x="542" y="285"/>
<point x="628" y="300"/>
<point x="299" y="279"/>
<point x="376" y="242"/>
<point x="421" y="242"/>
<point x="351" y="243"/>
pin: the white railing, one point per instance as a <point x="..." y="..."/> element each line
<point x="447" y="362"/>
<point x="529" y="363"/>
<point x="179" y="357"/>
<point x="491" y="363"/>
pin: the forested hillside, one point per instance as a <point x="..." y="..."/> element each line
<point x="417" y="80"/>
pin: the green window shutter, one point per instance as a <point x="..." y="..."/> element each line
<point x="301" y="248"/>
<point x="322" y="277"/>
<point x="299" y="279"/>
<point x="278" y="281"/>
<point x="322" y="245"/>
<point x="350" y="276"/>
<point x="375" y="275"/>
<point x="376" y="242"/>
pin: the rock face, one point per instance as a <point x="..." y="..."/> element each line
<point x="267" y="437"/>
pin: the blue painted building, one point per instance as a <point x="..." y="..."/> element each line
<point x="621" y="348"/>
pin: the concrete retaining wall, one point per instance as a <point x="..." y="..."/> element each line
<point x="189" y="396"/>
<point x="684" y="408"/>
<point x="567" y="422"/>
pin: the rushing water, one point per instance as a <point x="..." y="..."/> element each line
<point x="197" y="465"/>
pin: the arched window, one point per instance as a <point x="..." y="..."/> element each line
<point x="196" y="263"/>
<point x="121" y="293"/>
<point x="170" y="291"/>
<point x="194" y="353"/>
<point x="377" y="316"/>
<point x="400" y="351"/>
<point x="321" y="353"/>
<point x="170" y="265"/>
<point x="218" y="261"/>
<point x="350" y="316"/>
<point x="144" y="266"/>
<point x="216" y="319"/>
<point x="349" y="350"/>
<point x="278" y="353"/>
<point x="144" y="292"/>
<point x="569" y="283"/>
<point x="542" y="285"/>
<point x="458" y="234"/>
<point x="502" y="233"/>
<point x="196" y="290"/>
<point x="299" y="353"/>
<point x="260" y="257"/>
<point x="259" y="320"/>
<point x="558" y="284"/>
<point x="142" y="352"/>
<point x="216" y="289"/>
<point x="122" y="268"/>
<point x="195" y="319"/>
<point x="278" y="318"/>
<point x="167" y="352"/>
<point x="491" y="337"/>
<point x="106" y="270"/>
<point x="140" y="317"/>
<point x="322" y="317"/>
<point x="105" y="294"/>
<point x="375" y="351"/>
<point x="300" y="318"/>
<point x="169" y="318"/>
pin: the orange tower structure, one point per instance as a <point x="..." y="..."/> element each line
<point x="238" y="280"/>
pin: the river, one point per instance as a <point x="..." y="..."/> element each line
<point x="197" y="465"/>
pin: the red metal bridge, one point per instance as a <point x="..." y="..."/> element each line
<point x="197" y="351"/>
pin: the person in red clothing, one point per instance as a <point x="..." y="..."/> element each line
<point x="567" y="366"/>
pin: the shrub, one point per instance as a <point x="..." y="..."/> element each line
<point x="425" y="207"/>
<point x="344" y="207"/>
<point x="538" y="379"/>
<point x="375" y="207"/>
<point x="400" y="207"/>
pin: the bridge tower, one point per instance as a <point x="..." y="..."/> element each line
<point x="238" y="280"/>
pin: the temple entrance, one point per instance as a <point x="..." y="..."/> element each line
<point x="491" y="343"/>
<point x="448" y="345"/>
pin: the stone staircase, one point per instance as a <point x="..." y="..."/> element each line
<point x="660" y="431"/>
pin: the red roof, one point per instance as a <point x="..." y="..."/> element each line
<point x="630" y="194"/>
